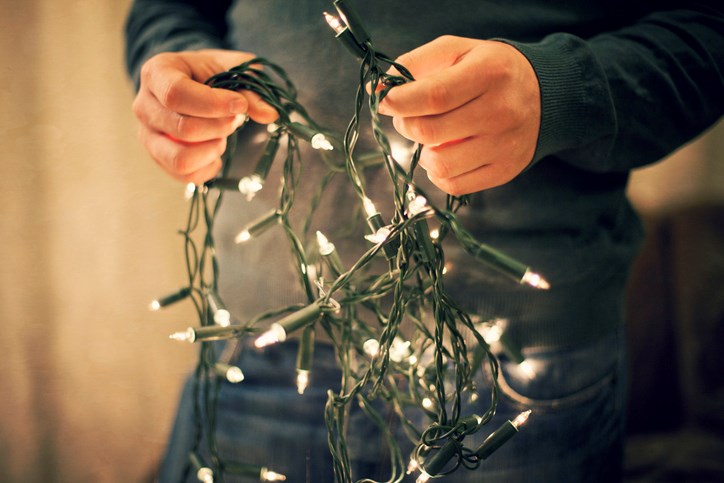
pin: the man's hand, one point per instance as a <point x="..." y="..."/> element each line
<point x="184" y="123"/>
<point x="475" y="105"/>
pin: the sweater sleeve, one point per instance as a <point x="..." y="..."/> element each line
<point x="155" y="26"/>
<point x="627" y="98"/>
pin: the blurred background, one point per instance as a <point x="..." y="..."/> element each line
<point x="89" y="379"/>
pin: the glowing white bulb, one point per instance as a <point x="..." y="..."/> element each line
<point x="243" y="236"/>
<point x="427" y="403"/>
<point x="302" y="380"/>
<point x="154" y="305"/>
<point x="413" y="465"/>
<point x="491" y="331"/>
<point x="249" y="186"/>
<point x="189" y="191"/>
<point x="369" y="207"/>
<point x="423" y="478"/>
<point x="527" y="368"/>
<point x="371" y="347"/>
<point x="205" y="475"/>
<point x="434" y="233"/>
<point x="325" y="247"/>
<point x="189" y="335"/>
<point x="234" y="375"/>
<point x="334" y="22"/>
<point x="401" y="153"/>
<point x="319" y="141"/>
<point x="222" y="317"/>
<point x="535" y="280"/>
<point x="272" y="127"/>
<point x="399" y="350"/>
<point x="276" y="333"/>
<point x="521" y="419"/>
<point x="379" y="236"/>
<point x="413" y="360"/>
<point x="418" y="205"/>
<point x="268" y="475"/>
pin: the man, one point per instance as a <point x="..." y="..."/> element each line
<point x="540" y="125"/>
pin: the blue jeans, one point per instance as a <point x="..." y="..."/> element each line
<point x="574" y="434"/>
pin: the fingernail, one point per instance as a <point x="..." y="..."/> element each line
<point x="239" y="120"/>
<point x="239" y="106"/>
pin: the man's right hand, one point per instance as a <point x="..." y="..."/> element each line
<point x="185" y="123"/>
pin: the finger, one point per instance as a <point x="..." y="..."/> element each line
<point x="202" y="175"/>
<point x="444" y="80"/>
<point x="435" y="55"/>
<point x="178" y="158"/>
<point x="473" y="165"/>
<point x="454" y="159"/>
<point x="182" y="127"/>
<point x="465" y="121"/>
<point x="471" y="182"/>
<point x="175" y="90"/>
<point x="259" y="110"/>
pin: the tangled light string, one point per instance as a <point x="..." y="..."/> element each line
<point x="428" y="370"/>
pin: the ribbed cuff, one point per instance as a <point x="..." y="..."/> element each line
<point x="576" y="105"/>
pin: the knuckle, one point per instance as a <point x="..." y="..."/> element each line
<point x="178" y="161"/>
<point x="137" y="108"/>
<point x="437" y="97"/>
<point x="422" y="130"/>
<point x="171" y="95"/>
<point x="436" y="166"/>
<point x="183" y="128"/>
<point x="449" y="185"/>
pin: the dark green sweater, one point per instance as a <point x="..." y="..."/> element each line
<point x="622" y="85"/>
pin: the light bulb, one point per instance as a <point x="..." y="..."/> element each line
<point x="418" y="205"/>
<point x="427" y="403"/>
<point x="189" y="191"/>
<point x="243" y="236"/>
<point x="249" y="186"/>
<point x="521" y="419"/>
<point x="169" y="299"/>
<point x="369" y="207"/>
<point x="302" y="380"/>
<point x="234" y="375"/>
<point x="268" y="475"/>
<point x="273" y="335"/>
<point x="325" y="247"/>
<point x="319" y="141"/>
<point x="222" y="317"/>
<point x="423" y="478"/>
<point x="434" y="233"/>
<point x="501" y="435"/>
<point x="412" y="466"/>
<point x="535" y="280"/>
<point x="188" y="335"/>
<point x="334" y="22"/>
<point x="205" y="475"/>
<point x="371" y="347"/>
<point x="527" y="368"/>
<point x="379" y="236"/>
<point x="399" y="350"/>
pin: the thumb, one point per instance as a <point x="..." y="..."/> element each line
<point x="434" y="56"/>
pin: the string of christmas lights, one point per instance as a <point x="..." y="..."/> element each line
<point x="420" y="351"/>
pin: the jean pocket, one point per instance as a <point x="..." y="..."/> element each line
<point x="556" y="380"/>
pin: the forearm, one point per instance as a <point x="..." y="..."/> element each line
<point x="168" y="25"/>
<point x="627" y="98"/>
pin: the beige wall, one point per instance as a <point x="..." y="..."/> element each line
<point x="89" y="379"/>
